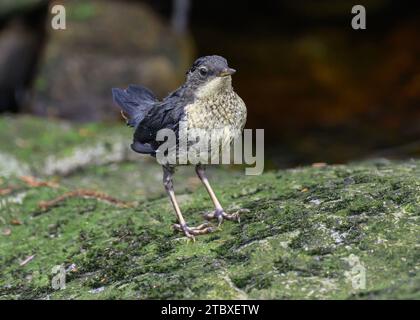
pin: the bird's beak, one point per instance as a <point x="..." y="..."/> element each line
<point x="227" y="72"/>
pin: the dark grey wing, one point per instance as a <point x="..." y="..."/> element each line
<point x="164" y="115"/>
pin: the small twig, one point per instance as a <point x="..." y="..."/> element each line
<point x="33" y="182"/>
<point x="83" y="194"/>
<point x="28" y="259"/>
<point x="5" y="191"/>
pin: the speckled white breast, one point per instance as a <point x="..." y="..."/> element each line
<point x="219" y="111"/>
<point x="224" y="117"/>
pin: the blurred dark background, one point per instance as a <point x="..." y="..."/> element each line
<point x="322" y="91"/>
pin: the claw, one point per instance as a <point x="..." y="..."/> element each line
<point x="190" y="232"/>
<point x="220" y="219"/>
<point x="220" y="215"/>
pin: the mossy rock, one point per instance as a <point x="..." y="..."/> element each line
<point x="309" y="233"/>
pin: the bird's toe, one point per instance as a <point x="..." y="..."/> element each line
<point x="190" y="232"/>
<point x="221" y="215"/>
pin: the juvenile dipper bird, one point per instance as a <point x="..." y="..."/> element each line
<point x="205" y="101"/>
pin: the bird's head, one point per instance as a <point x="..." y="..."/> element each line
<point x="209" y="75"/>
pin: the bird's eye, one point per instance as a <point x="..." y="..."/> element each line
<point x="203" y="71"/>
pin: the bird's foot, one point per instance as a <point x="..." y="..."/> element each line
<point x="221" y="215"/>
<point x="190" y="232"/>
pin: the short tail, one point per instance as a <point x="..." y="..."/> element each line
<point x="135" y="102"/>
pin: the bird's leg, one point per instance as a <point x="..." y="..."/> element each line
<point x="218" y="213"/>
<point x="190" y="232"/>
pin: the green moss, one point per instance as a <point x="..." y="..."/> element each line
<point x="33" y="140"/>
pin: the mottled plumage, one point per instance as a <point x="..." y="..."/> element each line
<point x="206" y="101"/>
